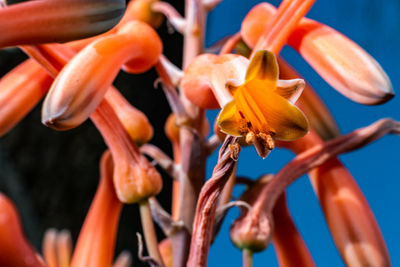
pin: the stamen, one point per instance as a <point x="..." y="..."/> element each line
<point x="267" y="139"/>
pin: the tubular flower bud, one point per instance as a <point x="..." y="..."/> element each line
<point x="82" y="84"/>
<point x="46" y="21"/>
<point x="253" y="229"/>
<point x="20" y="90"/>
<point x="135" y="179"/>
<point x="288" y="243"/>
<point x="319" y="116"/>
<point x="141" y="10"/>
<point x="57" y="248"/>
<point x="341" y="62"/>
<point x="96" y="242"/>
<point x="135" y="122"/>
<point x="349" y="217"/>
<point x="15" y="249"/>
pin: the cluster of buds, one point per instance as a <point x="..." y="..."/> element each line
<point x="78" y="47"/>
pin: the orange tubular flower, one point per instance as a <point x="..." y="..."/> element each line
<point x="135" y="179"/>
<point x="135" y="122"/>
<point x="96" y="242"/>
<point x="34" y="22"/>
<point x="349" y="217"/>
<point x="14" y="248"/>
<point x="81" y="85"/>
<point x="262" y="108"/>
<point x="255" y="104"/>
<point x="341" y="62"/>
<point x="289" y="245"/>
<point x="20" y="90"/>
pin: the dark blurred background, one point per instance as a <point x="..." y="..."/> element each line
<point x="52" y="176"/>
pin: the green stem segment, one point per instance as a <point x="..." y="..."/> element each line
<point x="247" y="258"/>
<point x="149" y="231"/>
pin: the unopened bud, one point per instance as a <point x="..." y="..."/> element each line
<point x="253" y="229"/>
<point x="342" y="63"/>
<point x="34" y="22"/>
<point x="20" y="90"/>
<point x="135" y="122"/>
<point x="83" y="82"/>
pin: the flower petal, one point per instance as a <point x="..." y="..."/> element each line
<point x="290" y="89"/>
<point x="229" y="119"/>
<point x="285" y="119"/>
<point x="263" y="66"/>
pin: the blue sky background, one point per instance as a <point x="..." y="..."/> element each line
<point x="376" y="27"/>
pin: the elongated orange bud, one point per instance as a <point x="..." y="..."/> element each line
<point x="81" y="85"/>
<point x="20" y="90"/>
<point x="135" y="179"/>
<point x="310" y="103"/>
<point x="341" y="62"/>
<point x="350" y="219"/>
<point x="14" y="248"/>
<point x="135" y="122"/>
<point x="47" y="21"/>
<point x="96" y="242"/>
<point x="57" y="248"/>
<point x="288" y="243"/>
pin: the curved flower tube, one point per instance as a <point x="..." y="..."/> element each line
<point x="96" y="242"/>
<point x="349" y="217"/>
<point x="288" y="243"/>
<point x="134" y="121"/>
<point x="342" y="63"/>
<point x="15" y="249"/>
<point x="135" y="179"/>
<point x="20" y="90"/>
<point x="81" y="85"/>
<point x="34" y="22"/>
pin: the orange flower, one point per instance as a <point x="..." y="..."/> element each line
<point x="96" y="242"/>
<point x="262" y="108"/>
